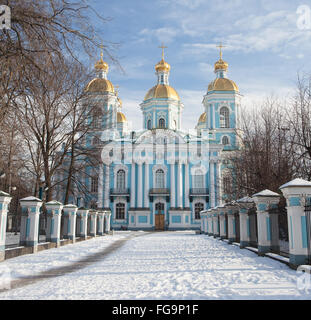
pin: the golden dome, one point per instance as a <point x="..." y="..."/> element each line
<point x="202" y="117"/>
<point x="162" y="66"/>
<point x="100" y="85"/>
<point x="162" y="91"/>
<point x="101" y="64"/>
<point x="221" y="65"/>
<point x="121" y="117"/>
<point x="222" y="84"/>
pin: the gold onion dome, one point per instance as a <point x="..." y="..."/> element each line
<point x="202" y="117"/>
<point x="162" y="91"/>
<point x="101" y="64"/>
<point x="121" y="117"/>
<point x="100" y="85"/>
<point x="162" y="66"/>
<point x="223" y="84"/>
<point x="221" y="65"/>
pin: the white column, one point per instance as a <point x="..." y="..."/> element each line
<point x="179" y="185"/>
<point x="70" y="213"/>
<point x="187" y="204"/>
<point x="173" y="200"/>
<point x="100" y="187"/>
<point x="146" y="199"/>
<point x="214" y="116"/>
<point x="5" y="199"/>
<point x="133" y="185"/>
<point x="212" y="185"/>
<point x="107" y="184"/>
<point x="140" y="186"/>
<point x="218" y="183"/>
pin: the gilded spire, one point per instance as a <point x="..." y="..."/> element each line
<point x="221" y="64"/>
<point x="162" y="66"/>
<point x="101" y="65"/>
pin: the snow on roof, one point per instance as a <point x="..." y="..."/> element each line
<point x="266" y="193"/>
<point x="4" y="194"/>
<point x="245" y="200"/>
<point x="53" y="202"/>
<point x="70" y="206"/>
<point x="296" y="183"/>
<point x="31" y="199"/>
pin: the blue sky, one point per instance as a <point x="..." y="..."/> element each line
<point x="264" y="48"/>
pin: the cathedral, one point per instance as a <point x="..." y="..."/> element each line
<point x="160" y="177"/>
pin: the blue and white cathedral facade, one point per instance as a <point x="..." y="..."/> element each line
<point x="161" y="177"/>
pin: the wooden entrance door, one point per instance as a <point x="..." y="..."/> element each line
<point x="159" y="216"/>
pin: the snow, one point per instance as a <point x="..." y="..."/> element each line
<point x="266" y="193"/>
<point x="296" y="183"/>
<point x="158" y="265"/>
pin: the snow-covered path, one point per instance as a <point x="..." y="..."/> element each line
<point x="167" y="265"/>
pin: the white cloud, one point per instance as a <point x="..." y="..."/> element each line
<point x="164" y="34"/>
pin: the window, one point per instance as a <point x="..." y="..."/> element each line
<point x="160" y="182"/>
<point x="121" y="179"/>
<point x="198" y="207"/>
<point x="94" y="184"/>
<point x="159" y="207"/>
<point x="149" y="124"/>
<point x="226" y="185"/>
<point x="161" y="123"/>
<point x="198" y="179"/>
<point x="225" y="140"/>
<point x="224" y="117"/>
<point x="120" y="211"/>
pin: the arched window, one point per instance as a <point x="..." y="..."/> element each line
<point x="198" y="179"/>
<point x="120" y="211"/>
<point x="121" y="179"/>
<point x="225" y="140"/>
<point x="149" y="124"/>
<point x="161" y="123"/>
<point x="224" y="117"/>
<point x="198" y="207"/>
<point x="160" y="182"/>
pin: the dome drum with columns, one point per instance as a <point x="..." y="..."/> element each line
<point x="161" y="177"/>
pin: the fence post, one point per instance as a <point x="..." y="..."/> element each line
<point x="265" y="200"/>
<point x="100" y="225"/>
<point x="5" y="199"/>
<point x="82" y="213"/>
<point x="231" y="224"/>
<point x="70" y="214"/>
<point x="244" y="205"/>
<point x="222" y="222"/>
<point x="30" y="222"/>
<point x="216" y="222"/>
<point x="107" y="219"/>
<point x="54" y="215"/>
<point x="93" y="222"/>
<point x="297" y="192"/>
<point x="209" y="223"/>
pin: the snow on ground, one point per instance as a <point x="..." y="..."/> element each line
<point x="165" y="265"/>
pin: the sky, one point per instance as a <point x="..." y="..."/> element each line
<point x="264" y="45"/>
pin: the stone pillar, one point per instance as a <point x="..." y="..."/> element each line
<point x="264" y="200"/>
<point x="210" y="223"/>
<point x="140" y="186"/>
<point x="30" y="222"/>
<point x="107" y="185"/>
<point x="93" y="222"/>
<point x="212" y="184"/>
<point x="231" y="224"/>
<point x="107" y="220"/>
<point x="70" y="215"/>
<point x="244" y="205"/>
<point x="82" y="215"/>
<point x="187" y="186"/>
<point x="173" y="200"/>
<point x="133" y="185"/>
<point x="5" y="199"/>
<point x="215" y="223"/>
<point x="179" y="186"/>
<point x="146" y="197"/>
<point x="219" y="183"/>
<point x="54" y="216"/>
<point x="222" y="222"/>
<point x="296" y="193"/>
<point x="100" y="223"/>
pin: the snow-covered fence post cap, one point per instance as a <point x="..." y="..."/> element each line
<point x="54" y="205"/>
<point x="245" y="203"/>
<point x="31" y="202"/>
<point x="265" y="199"/>
<point x="296" y="191"/>
<point x="4" y="197"/>
<point x="70" y="208"/>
